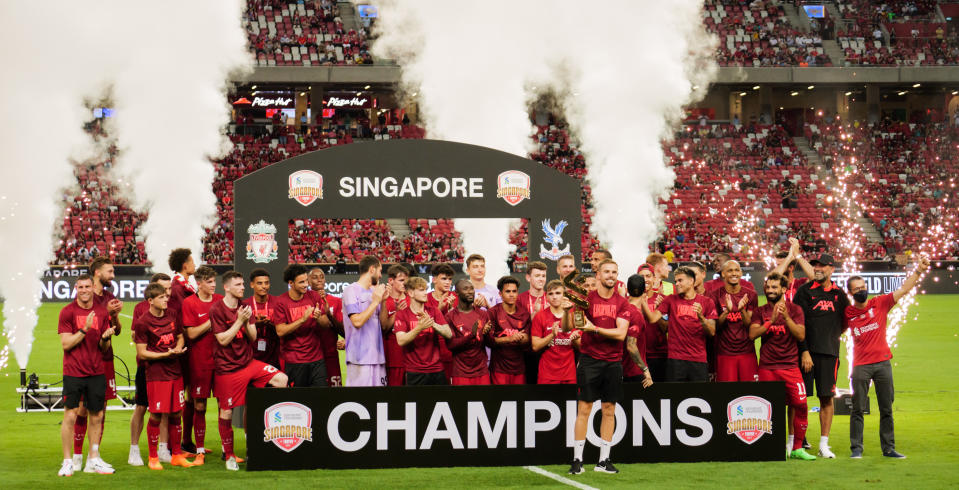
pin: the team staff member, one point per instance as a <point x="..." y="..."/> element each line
<point x="140" y="397"/>
<point x="780" y="324"/>
<point x="85" y="334"/>
<point x="267" y="345"/>
<point x="692" y="320"/>
<point x="824" y="305"/>
<point x="557" y="364"/>
<point x="735" y="350"/>
<point x="418" y="329"/>
<point x="200" y="341"/>
<point x="510" y="334"/>
<point x="565" y="265"/>
<point x="159" y="341"/>
<point x="470" y="327"/>
<point x="295" y="316"/>
<point x="396" y="300"/>
<point x="871" y="355"/>
<point x="599" y="375"/>
<point x="233" y="358"/>
<point x="654" y="334"/>
<point x="634" y="363"/>
<point x="330" y="320"/>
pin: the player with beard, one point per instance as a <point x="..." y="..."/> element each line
<point x="735" y="350"/>
<point x="184" y="285"/>
<point x="534" y="300"/>
<point x="159" y="341"/>
<point x="824" y="305"/>
<point x="470" y="328"/>
<point x="654" y="334"/>
<point x="418" y="329"/>
<point x="85" y="334"/>
<point x="486" y="295"/>
<point x="396" y="300"/>
<point x="781" y="326"/>
<point x="267" y="345"/>
<point x="102" y="270"/>
<point x="444" y="300"/>
<point x="599" y="374"/>
<point x="233" y="356"/>
<point x="786" y="266"/>
<point x="565" y="265"/>
<point x="597" y="257"/>
<point x="196" y="324"/>
<point x="330" y="320"/>
<point x="717" y="263"/>
<point x="140" y="397"/>
<point x="362" y="303"/>
<point x="295" y="316"/>
<point x="510" y="335"/>
<point x="692" y="321"/>
<point x="557" y="346"/>
<point x="866" y="320"/>
<point x="634" y="358"/>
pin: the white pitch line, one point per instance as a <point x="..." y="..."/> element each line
<point x="567" y="481"/>
<point x="124" y="314"/>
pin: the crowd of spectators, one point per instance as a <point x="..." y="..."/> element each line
<point x="758" y="33"/>
<point x="303" y="33"/>
<point x="915" y="36"/>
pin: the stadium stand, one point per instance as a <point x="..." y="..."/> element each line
<point x="290" y="33"/>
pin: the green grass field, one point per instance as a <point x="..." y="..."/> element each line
<point x="927" y="425"/>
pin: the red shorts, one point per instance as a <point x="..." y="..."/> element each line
<point x="544" y="381"/>
<point x="333" y="376"/>
<point x="742" y="367"/>
<point x="795" y="386"/>
<point x="507" y="379"/>
<point x="111" y="377"/>
<point x="230" y="388"/>
<point x="201" y="381"/>
<point x="395" y="376"/>
<point x="165" y="396"/>
<point x="474" y="381"/>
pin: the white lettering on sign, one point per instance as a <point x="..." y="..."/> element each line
<point x="266" y="101"/>
<point x="471" y="187"/>
<point x="340" y="102"/>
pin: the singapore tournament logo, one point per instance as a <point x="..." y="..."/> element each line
<point x="749" y="417"/>
<point x="306" y="186"/>
<point x="288" y="424"/>
<point x="261" y="247"/>
<point x="554" y="236"/>
<point x="512" y="186"/>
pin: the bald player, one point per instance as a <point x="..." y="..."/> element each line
<point x="735" y="350"/>
<point x="717" y="264"/>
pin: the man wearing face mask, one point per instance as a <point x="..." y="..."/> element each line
<point x="824" y="305"/>
<point x="871" y="355"/>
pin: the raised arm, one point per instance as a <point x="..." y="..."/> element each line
<point x="913" y="280"/>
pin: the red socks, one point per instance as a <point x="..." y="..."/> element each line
<point x="153" y="436"/>
<point x="226" y="436"/>
<point x="199" y="427"/>
<point x="79" y="432"/>
<point x="188" y="421"/>
<point x="800" y="423"/>
<point x="176" y="433"/>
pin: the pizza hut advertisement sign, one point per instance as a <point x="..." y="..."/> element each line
<point x="288" y="424"/>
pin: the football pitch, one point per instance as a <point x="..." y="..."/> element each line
<point x="926" y="413"/>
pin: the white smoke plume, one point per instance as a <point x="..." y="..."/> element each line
<point x="623" y="69"/>
<point x="60" y="57"/>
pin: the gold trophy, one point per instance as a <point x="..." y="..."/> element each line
<point x="576" y="294"/>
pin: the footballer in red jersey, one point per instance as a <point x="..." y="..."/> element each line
<point x="557" y="362"/>
<point x="418" y="330"/>
<point x="654" y="334"/>
<point x="735" y="350"/>
<point x="330" y="321"/>
<point x="634" y="358"/>
<point x="717" y="263"/>
<point x="510" y="335"/>
<point x="233" y="358"/>
<point x="396" y="300"/>
<point x="262" y="303"/>
<point x="444" y="300"/>
<point x="159" y="341"/>
<point x="866" y="320"/>
<point x="781" y="325"/>
<point x="534" y="300"/>
<point x="470" y="327"/>
<point x="195" y="315"/>
<point x="295" y="316"/>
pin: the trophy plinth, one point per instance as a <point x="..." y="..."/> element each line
<point x="576" y="294"/>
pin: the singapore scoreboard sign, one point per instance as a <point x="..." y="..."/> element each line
<point x="401" y="179"/>
<point x="307" y="428"/>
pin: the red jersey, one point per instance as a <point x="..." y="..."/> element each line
<point x="732" y="337"/>
<point x="160" y="335"/>
<point x="469" y="351"/>
<point x="197" y="312"/>
<point x="718" y="283"/>
<point x="445" y="355"/>
<point x="868" y="328"/>
<point x="239" y="352"/>
<point x="102" y="300"/>
<point x="780" y="349"/>
<point x="179" y="291"/>
<point x="138" y="310"/>
<point x="508" y="358"/>
<point x="84" y="359"/>
<point x="603" y="313"/>
<point x="328" y="336"/>
<point x="687" y="337"/>
<point x="793" y="287"/>
<point x="558" y="359"/>
<point x="303" y="344"/>
<point x="391" y="348"/>
<point x="267" y="345"/>
<point x="423" y="353"/>
<point x="533" y="304"/>
<point x="655" y="337"/>
<point x="637" y="327"/>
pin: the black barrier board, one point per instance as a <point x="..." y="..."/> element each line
<point x="338" y="428"/>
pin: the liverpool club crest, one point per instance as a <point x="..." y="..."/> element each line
<point x="261" y="247"/>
